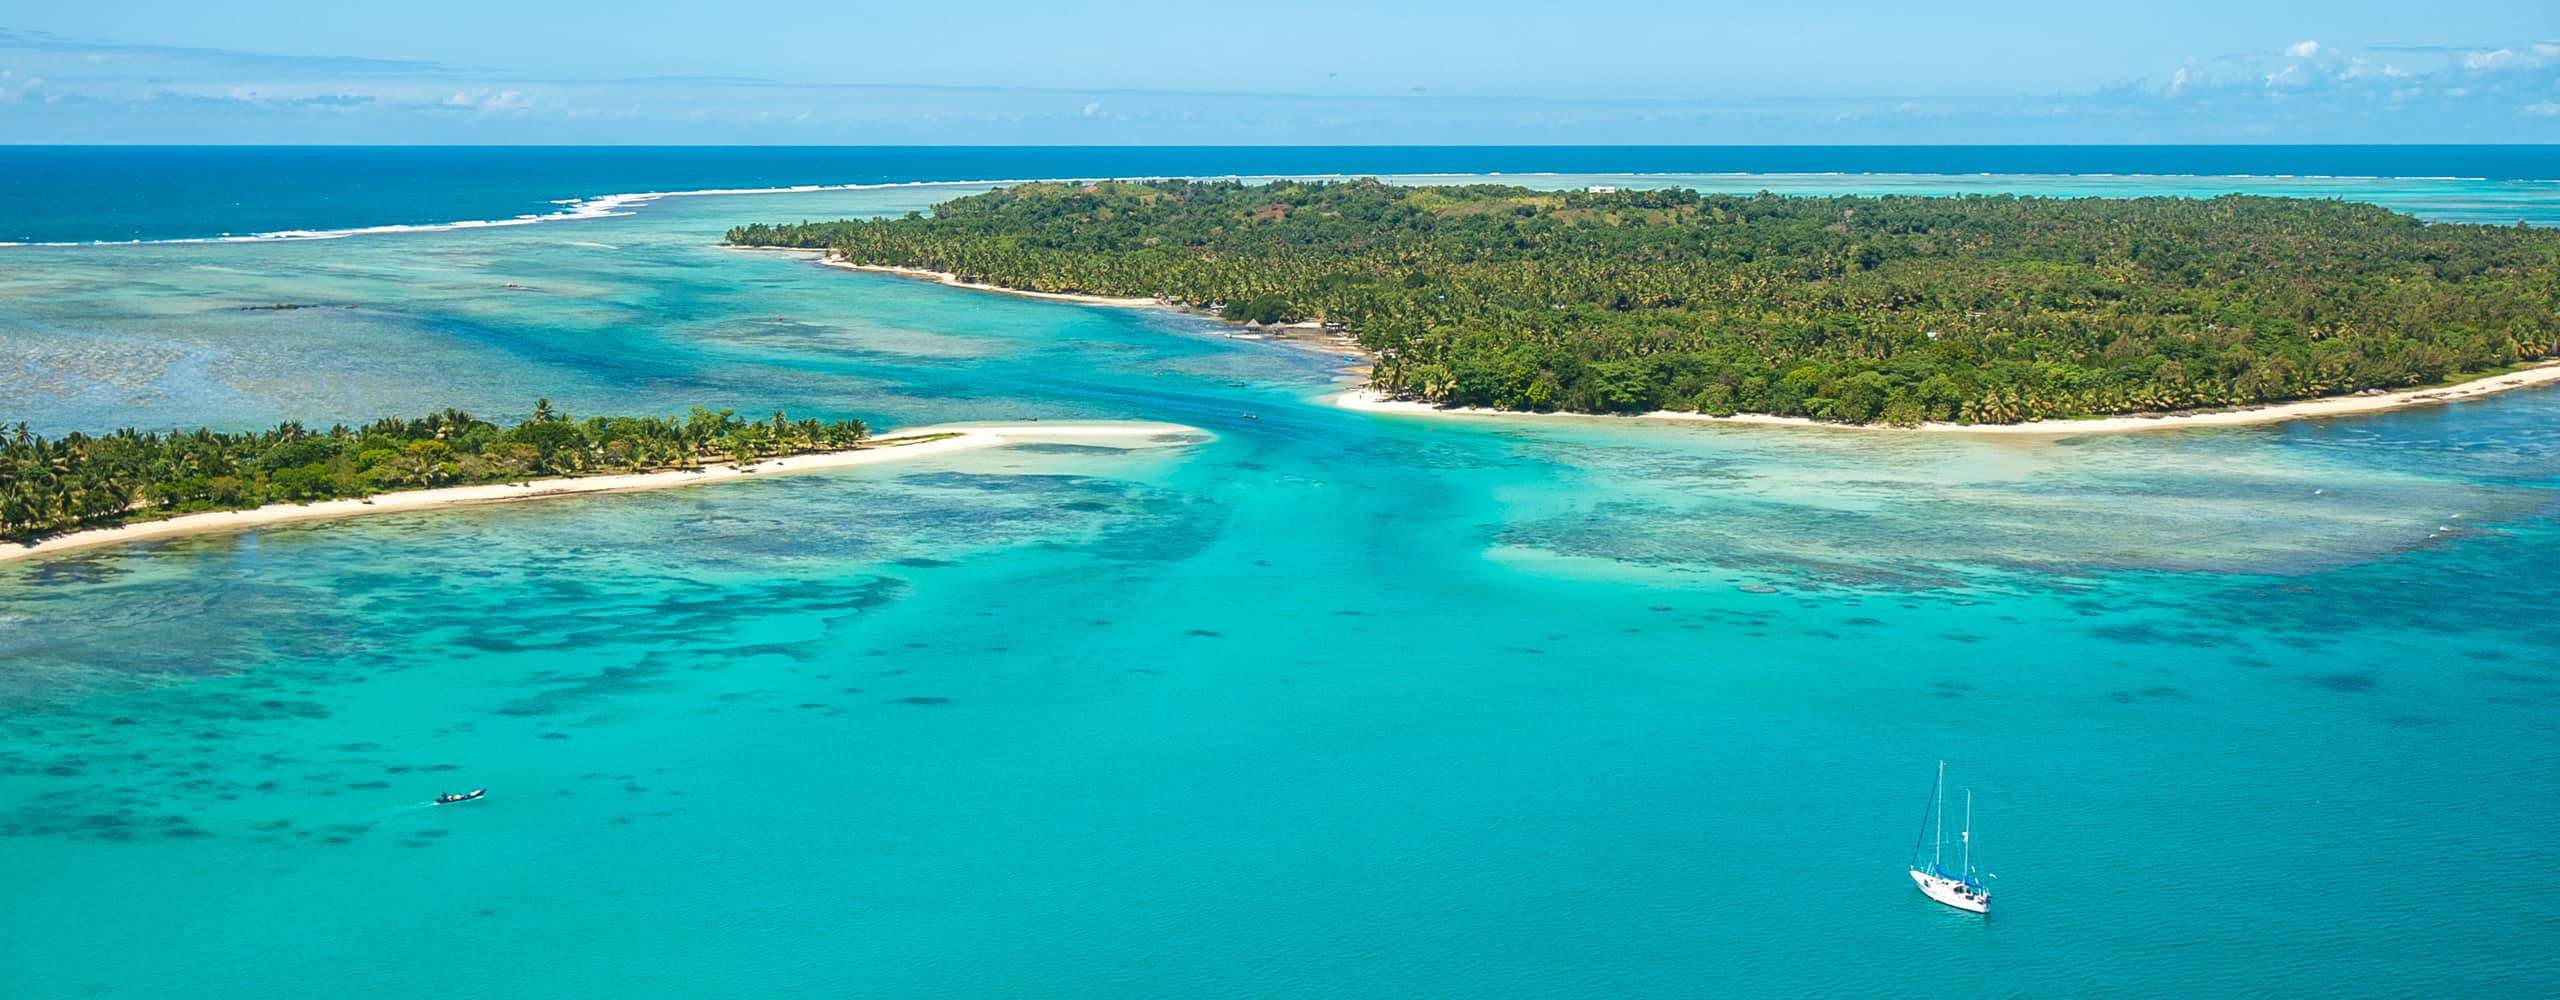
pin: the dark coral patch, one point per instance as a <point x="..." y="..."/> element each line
<point x="2154" y="635"/>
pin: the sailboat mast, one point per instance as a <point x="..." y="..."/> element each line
<point x="1938" y="795"/>
<point x="1968" y="833"/>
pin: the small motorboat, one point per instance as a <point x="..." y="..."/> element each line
<point x="450" y="798"/>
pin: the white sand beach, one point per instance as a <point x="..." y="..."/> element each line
<point x="905" y="445"/>
<point x="1306" y="335"/>
<point x="2336" y="406"/>
<point x="953" y="280"/>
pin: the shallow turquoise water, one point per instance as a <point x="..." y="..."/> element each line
<point x="1334" y="704"/>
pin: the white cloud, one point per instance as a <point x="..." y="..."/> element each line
<point x="2305" y="91"/>
<point x="489" y="101"/>
<point x="2481" y="85"/>
<point x="2500" y="59"/>
<point x="13" y="86"/>
<point x="2546" y="109"/>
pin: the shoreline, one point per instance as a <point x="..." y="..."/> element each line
<point x="952" y="280"/>
<point x="901" y="446"/>
<point x="2545" y="373"/>
<point x="1369" y="400"/>
<point x="1303" y="334"/>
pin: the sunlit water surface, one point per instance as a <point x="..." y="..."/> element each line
<point x="1333" y="704"/>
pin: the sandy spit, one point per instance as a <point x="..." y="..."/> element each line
<point x="902" y="446"/>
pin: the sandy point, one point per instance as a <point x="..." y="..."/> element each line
<point x="905" y="445"/>
<point x="953" y="280"/>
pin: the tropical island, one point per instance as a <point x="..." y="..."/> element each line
<point x="53" y="485"/>
<point x="79" y="490"/>
<point x="1897" y="310"/>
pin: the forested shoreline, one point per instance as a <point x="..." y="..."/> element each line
<point x="1898" y="309"/>
<point x="76" y="481"/>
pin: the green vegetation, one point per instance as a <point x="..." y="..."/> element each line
<point x="76" y="481"/>
<point x="1892" y="309"/>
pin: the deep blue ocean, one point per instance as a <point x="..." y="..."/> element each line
<point x="92" y="193"/>
<point x="1312" y="702"/>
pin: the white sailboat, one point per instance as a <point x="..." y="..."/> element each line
<point x="1959" y="888"/>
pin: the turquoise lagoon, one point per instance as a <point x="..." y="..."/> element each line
<point x="1327" y="703"/>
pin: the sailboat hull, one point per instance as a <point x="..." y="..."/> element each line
<point x="1952" y="892"/>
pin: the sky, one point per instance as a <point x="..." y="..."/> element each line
<point x="1317" y="71"/>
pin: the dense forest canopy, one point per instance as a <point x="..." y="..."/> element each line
<point x="1893" y="309"/>
<point x="78" y="481"/>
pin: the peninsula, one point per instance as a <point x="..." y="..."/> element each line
<point x="79" y="491"/>
<point x="1974" y="310"/>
